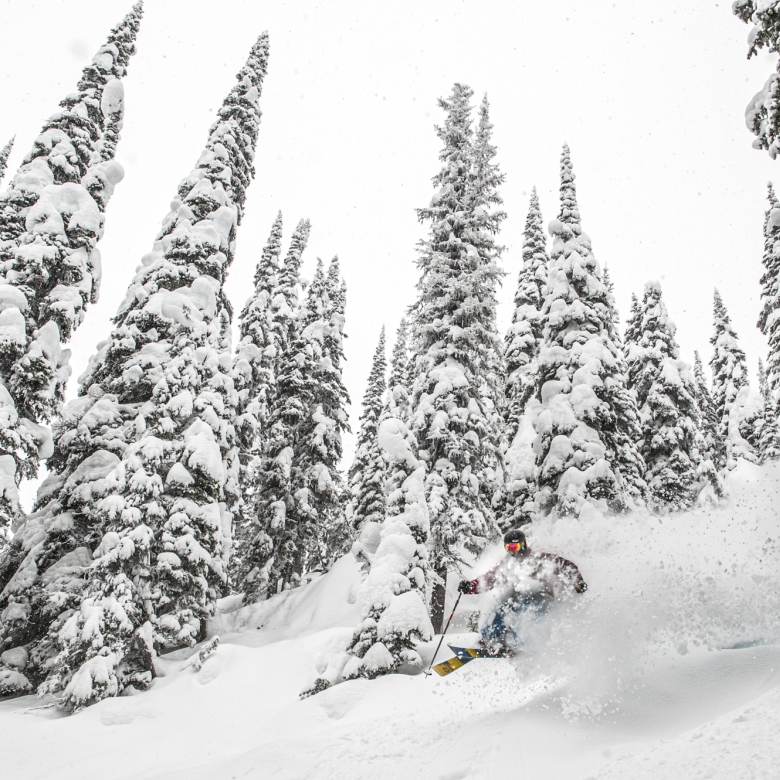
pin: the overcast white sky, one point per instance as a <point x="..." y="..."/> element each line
<point x="650" y="97"/>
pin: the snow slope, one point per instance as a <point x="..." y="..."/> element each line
<point x="669" y="667"/>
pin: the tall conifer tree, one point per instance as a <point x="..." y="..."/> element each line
<point x="728" y="365"/>
<point x="666" y="397"/>
<point x="714" y="446"/>
<point x="397" y="396"/>
<point x="301" y="492"/>
<point x="367" y="474"/>
<point x="521" y="352"/>
<point x="5" y="153"/>
<point x="769" y="435"/>
<point x="762" y="114"/>
<point x="268" y="327"/>
<point x="147" y="451"/>
<point x="610" y="285"/>
<point x="256" y="350"/>
<point x="457" y="397"/>
<point x="768" y="320"/>
<point x="587" y="428"/>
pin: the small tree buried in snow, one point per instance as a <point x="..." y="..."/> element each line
<point x="392" y="597"/>
<point x="587" y="427"/>
<point x="665" y="391"/>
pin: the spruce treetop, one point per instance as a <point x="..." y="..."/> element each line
<point x="366" y="476"/>
<point x="5" y="153"/>
<point x="581" y="379"/>
<point x="728" y="364"/>
<point x="51" y="219"/>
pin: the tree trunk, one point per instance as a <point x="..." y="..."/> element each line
<point x="437" y="599"/>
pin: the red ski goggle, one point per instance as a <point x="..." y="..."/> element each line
<point x="514" y="547"/>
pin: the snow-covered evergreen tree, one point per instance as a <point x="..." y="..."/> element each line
<point x="633" y="332"/>
<point x="457" y="394"/>
<point x="336" y="536"/>
<point x="728" y="365"/>
<point x="768" y="320"/>
<point x="145" y="455"/>
<point x="522" y="343"/>
<point x="762" y="114"/>
<point x="5" y="153"/>
<point x="524" y="336"/>
<point x="769" y="435"/>
<point x="587" y="428"/>
<point x="254" y="373"/>
<point x="367" y="474"/>
<point x="397" y="397"/>
<point x="610" y="285"/>
<point x="665" y="390"/>
<point x="300" y="493"/>
<point x="51" y="218"/>
<point x="257" y="349"/>
<point x="267" y="326"/>
<point x="714" y="446"/>
<point x="392" y="598"/>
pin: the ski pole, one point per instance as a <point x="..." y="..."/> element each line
<point x="452" y="614"/>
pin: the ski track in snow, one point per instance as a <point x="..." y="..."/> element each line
<point x="668" y="668"/>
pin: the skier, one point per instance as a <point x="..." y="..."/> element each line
<point x="526" y="582"/>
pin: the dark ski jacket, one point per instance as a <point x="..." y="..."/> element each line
<point x="535" y="576"/>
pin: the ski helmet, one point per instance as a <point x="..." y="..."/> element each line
<point x="514" y="541"/>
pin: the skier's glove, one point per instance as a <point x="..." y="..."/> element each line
<point x="464" y="586"/>
<point x="581" y="587"/>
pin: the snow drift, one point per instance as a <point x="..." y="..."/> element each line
<point x="668" y="667"/>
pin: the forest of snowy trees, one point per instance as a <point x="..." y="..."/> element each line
<point x="187" y="469"/>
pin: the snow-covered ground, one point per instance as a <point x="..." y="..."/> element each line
<point x="669" y="667"/>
